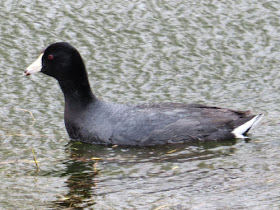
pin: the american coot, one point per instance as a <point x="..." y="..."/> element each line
<point x="94" y="121"/>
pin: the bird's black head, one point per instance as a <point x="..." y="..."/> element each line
<point x="61" y="61"/>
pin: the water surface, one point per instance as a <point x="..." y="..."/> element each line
<point x="219" y="53"/>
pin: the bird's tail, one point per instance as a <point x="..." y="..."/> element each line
<point x="244" y="128"/>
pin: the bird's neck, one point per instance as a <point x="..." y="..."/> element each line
<point x="77" y="94"/>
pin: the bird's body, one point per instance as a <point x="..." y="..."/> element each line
<point x="151" y="124"/>
<point x="94" y="121"/>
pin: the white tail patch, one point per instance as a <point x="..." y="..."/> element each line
<point x="240" y="130"/>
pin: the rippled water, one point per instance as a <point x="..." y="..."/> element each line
<point x="223" y="53"/>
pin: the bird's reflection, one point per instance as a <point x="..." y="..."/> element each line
<point x="84" y="162"/>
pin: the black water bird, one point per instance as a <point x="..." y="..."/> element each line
<point x="88" y="119"/>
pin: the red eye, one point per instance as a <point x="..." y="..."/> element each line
<point x="50" y="57"/>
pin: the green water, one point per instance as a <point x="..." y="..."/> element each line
<point x="223" y="53"/>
